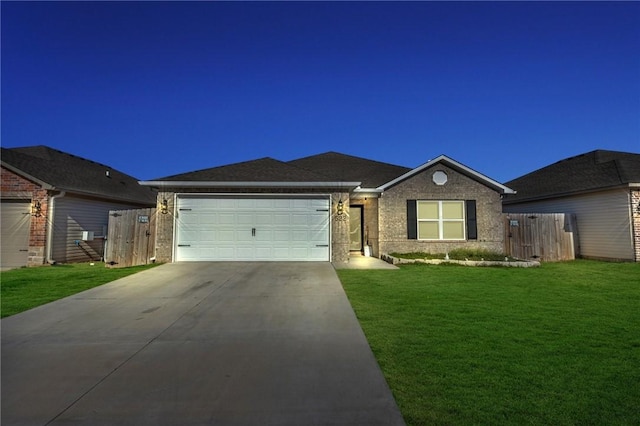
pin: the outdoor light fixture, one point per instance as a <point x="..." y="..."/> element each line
<point x="36" y="208"/>
<point x="164" y="206"/>
<point x="340" y="208"/>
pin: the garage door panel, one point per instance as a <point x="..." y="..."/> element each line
<point x="244" y="219"/>
<point x="226" y="236"/>
<point x="317" y="253"/>
<point x="226" y="218"/>
<point x="208" y="236"/>
<point x="265" y="219"/>
<point x="207" y="220"/>
<point x="281" y="219"/>
<point x="240" y="228"/>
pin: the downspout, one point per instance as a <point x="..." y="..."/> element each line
<point x="50" y="213"/>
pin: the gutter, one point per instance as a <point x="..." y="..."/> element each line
<point x="245" y="184"/>
<point x="50" y="213"/>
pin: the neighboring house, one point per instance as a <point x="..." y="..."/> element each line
<point x="323" y="207"/>
<point x="602" y="189"/>
<point x="50" y="197"/>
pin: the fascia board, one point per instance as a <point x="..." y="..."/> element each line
<point x="450" y="162"/>
<point x="247" y="184"/>
<point x="368" y="190"/>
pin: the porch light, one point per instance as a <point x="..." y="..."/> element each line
<point x="340" y="207"/>
<point x="164" y="206"/>
<point x="36" y="209"/>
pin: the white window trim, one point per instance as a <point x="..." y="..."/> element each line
<point x="440" y="221"/>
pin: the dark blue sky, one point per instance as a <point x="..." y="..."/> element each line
<point x="155" y="89"/>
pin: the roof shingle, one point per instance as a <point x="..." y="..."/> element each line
<point x="586" y="172"/>
<point x="349" y="168"/>
<point x="68" y="172"/>
<point x="261" y="170"/>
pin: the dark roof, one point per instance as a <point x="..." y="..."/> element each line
<point x="591" y="171"/>
<point x="260" y="170"/>
<point x="349" y="168"/>
<point x="67" y="172"/>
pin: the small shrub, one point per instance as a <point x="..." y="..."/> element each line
<point x="475" y="254"/>
<point x="456" y="254"/>
<point x="418" y="255"/>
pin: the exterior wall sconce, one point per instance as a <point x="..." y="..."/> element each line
<point x="340" y="208"/>
<point x="164" y="206"/>
<point x="36" y="209"/>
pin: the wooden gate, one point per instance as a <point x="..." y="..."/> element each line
<point x="541" y="236"/>
<point x="131" y="237"/>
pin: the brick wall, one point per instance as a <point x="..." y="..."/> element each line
<point x="14" y="186"/>
<point x="164" y="229"/>
<point x="393" y="212"/>
<point x="340" y="228"/>
<point x="635" y="207"/>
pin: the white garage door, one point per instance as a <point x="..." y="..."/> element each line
<point x="251" y="229"/>
<point x="16" y="219"/>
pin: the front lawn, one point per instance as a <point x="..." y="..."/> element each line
<point x="559" y="344"/>
<point x="26" y="288"/>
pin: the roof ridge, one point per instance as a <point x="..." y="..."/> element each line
<point x="349" y="156"/>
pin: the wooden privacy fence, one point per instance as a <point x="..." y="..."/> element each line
<point x="131" y="237"/>
<point x="541" y="236"/>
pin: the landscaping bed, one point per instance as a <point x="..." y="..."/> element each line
<point x="459" y="257"/>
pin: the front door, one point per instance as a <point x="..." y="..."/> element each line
<point x="355" y="228"/>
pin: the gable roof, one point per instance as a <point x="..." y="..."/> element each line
<point x="330" y="169"/>
<point x="461" y="168"/>
<point x="595" y="170"/>
<point x="370" y="173"/>
<point x="256" y="173"/>
<point x="57" y="170"/>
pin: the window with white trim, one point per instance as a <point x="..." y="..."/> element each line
<point x="441" y="220"/>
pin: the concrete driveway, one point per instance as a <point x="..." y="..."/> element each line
<point x="196" y="344"/>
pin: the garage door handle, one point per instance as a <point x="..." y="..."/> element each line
<point x="184" y="245"/>
<point x="253" y="232"/>
<point x="322" y="245"/>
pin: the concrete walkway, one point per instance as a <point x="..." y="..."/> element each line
<point x="358" y="261"/>
<point x="196" y="344"/>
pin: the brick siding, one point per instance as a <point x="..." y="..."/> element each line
<point x="393" y="212"/>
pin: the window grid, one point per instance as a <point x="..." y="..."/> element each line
<point x="446" y="226"/>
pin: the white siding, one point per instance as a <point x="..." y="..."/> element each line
<point x="74" y="215"/>
<point x="603" y="218"/>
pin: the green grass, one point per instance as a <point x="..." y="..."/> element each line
<point x="559" y="344"/>
<point x="26" y="288"/>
